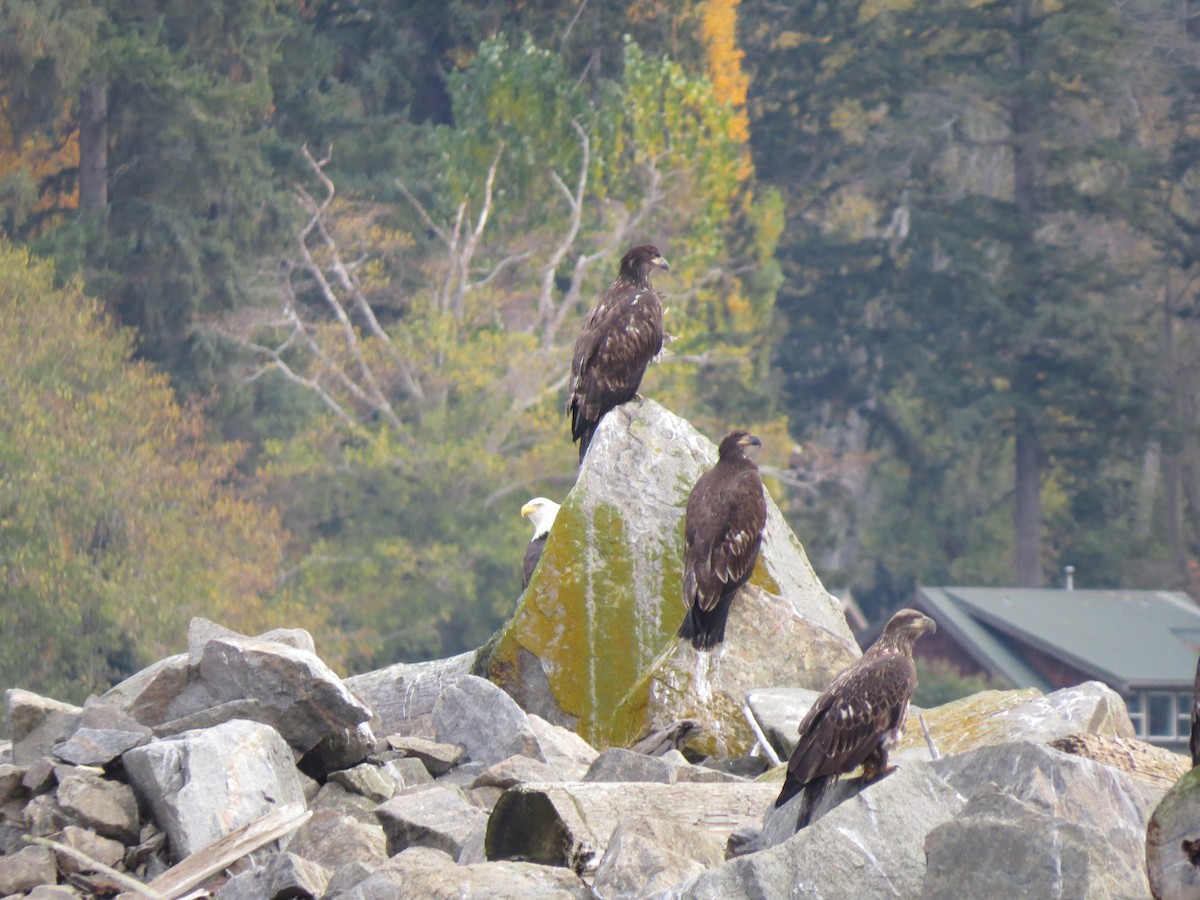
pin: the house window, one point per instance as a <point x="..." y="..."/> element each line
<point x="1136" y="715"/>
<point x="1160" y="715"/>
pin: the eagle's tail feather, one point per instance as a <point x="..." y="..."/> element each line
<point x="705" y="629"/>
<point x="813" y="792"/>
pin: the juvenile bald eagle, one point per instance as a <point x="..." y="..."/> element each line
<point x="726" y="512"/>
<point x="541" y="513"/>
<point x="859" y="718"/>
<point x="620" y="336"/>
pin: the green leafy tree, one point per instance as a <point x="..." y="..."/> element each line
<point x="434" y="336"/>
<point x="951" y="285"/>
<point x="119" y="521"/>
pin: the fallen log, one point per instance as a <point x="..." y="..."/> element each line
<point x="570" y="824"/>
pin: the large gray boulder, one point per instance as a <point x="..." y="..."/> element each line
<point x="439" y="817"/>
<point x="647" y="855"/>
<point x="592" y="643"/>
<point x="1040" y="823"/>
<point x="1008" y="820"/>
<point x="482" y="719"/>
<point x="275" y="679"/>
<point x="402" y="877"/>
<point x="403" y="695"/>
<point x="201" y="785"/>
<point x="872" y="845"/>
<point x="36" y="723"/>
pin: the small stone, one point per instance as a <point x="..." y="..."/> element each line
<point x="516" y="770"/>
<point x="101" y="849"/>
<point x="438" y="817"/>
<point x="333" y="839"/>
<point x="347" y="876"/>
<point x="438" y="758"/>
<point x="36" y="723"/>
<point x="107" y="807"/>
<point x="408" y="772"/>
<point x="645" y="855"/>
<point x="618" y="764"/>
<point x="473" y="712"/>
<point x="368" y="780"/>
<point x="292" y="876"/>
<point x="26" y="869"/>
<point x="103" y="733"/>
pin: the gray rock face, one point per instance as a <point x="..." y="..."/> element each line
<point x="107" y="807"/>
<point x="370" y="781"/>
<point x="101" y="849"/>
<point x="36" y="723"/>
<point x="403" y="695"/>
<point x="1060" y="825"/>
<point x="615" y="764"/>
<point x="648" y="855"/>
<point x="437" y="758"/>
<point x="275" y="679"/>
<point x="202" y="785"/>
<point x="334" y="839"/>
<point x="438" y="817"/>
<point x="1173" y="841"/>
<point x="779" y="712"/>
<point x="592" y="643"/>
<point x="483" y="881"/>
<point x="102" y="733"/>
<point x="291" y="690"/>
<point x="409" y="772"/>
<point x="475" y="714"/>
<point x="26" y="869"/>
<point x="869" y="846"/>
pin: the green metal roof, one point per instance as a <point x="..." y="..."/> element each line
<point x="1124" y="638"/>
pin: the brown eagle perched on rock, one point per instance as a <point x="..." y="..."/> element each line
<point x="620" y="336"/>
<point x="726" y="513"/>
<point x="859" y="718"/>
<point x="541" y="512"/>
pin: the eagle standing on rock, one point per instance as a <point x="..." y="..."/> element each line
<point x="620" y="336"/>
<point x="859" y="718"/>
<point x="541" y="512"/>
<point x="726" y="513"/>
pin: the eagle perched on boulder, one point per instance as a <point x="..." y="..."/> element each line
<point x="726" y="513"/>
<point x="620" y="336"/>
<point x="541" y="512"/>
<point x="859" y="718"/>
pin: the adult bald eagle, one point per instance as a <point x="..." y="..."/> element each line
<point x="541" y="513"/>
<point x="620" y="336"/>
<point x="726" y="512"/>
<point x="859" y="718"/>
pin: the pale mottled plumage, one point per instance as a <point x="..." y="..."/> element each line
<point x="620" y="336"/>
<point x="726" y="513"/>
<point x="859" y="718"/>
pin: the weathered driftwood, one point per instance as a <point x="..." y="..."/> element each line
<point x="220" y="854"/>
<point x="126" y="881"/>
<point x="570" y="824"/>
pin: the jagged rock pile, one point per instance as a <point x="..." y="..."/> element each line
<point x="467" y="795"/>
<point x="245" y="768"/>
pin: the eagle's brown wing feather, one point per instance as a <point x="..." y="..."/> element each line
<point x="725" y="516"/>
<point x="619" y="338"/>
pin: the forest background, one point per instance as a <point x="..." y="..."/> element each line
<point x="288" y="292"/>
